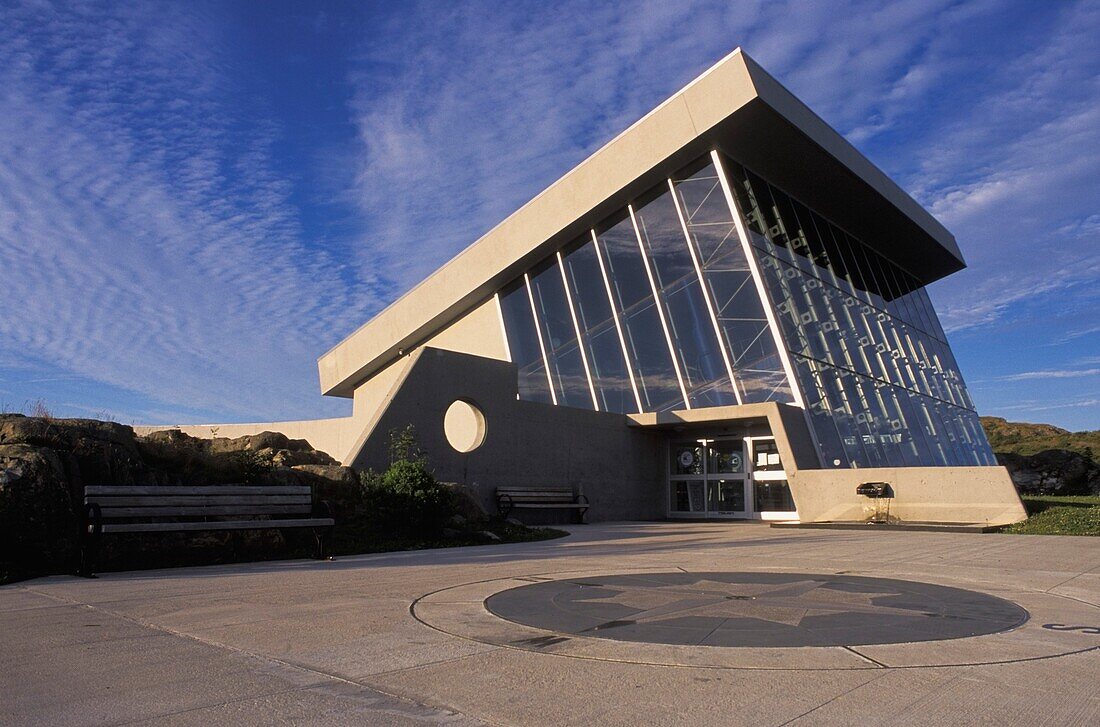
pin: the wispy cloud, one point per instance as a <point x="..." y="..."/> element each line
<point x="146" y="241"/>
<point x="1089" y="403"/>
<point x="992" y="148"/>
<point x="1051" y="374"/>
<point x="156" y="245"/>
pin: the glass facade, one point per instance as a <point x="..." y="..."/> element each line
<point x="662" y="307"/>
<point x="875" y="371"/>
<point x="654" y="309"/>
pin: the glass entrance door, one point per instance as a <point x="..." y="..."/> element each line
<point x="707" y="478"/>
<point x="771" y="493"/>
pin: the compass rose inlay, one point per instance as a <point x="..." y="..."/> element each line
<point x="755" y="609"/>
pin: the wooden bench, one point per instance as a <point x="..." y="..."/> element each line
<point x="515" y="498"/>
<point x="123" y="509"/>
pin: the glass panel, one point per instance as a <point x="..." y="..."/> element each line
<point x="691" y="330"/>
<point x="757" y="368"/>
<point x="598" y="332"/>
<point x="880" y="383"/>
<point x="765" y="456"/>
<point x="523" y="342"/>
<point x="559" y="336"/>
<point x="774" y="496"/>
<point x="686" y="458"/>
<point x="725" y="456"/>
<point x="687" y="496"/>
<point x="726" y="495"/>
<point x="646" y="346"/>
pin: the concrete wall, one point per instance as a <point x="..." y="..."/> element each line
<point x="983" y="495"/>
<point x="620" y="468"/>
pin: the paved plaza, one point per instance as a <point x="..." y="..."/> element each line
<point x="628" y="623"/>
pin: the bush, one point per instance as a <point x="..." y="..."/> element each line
<point x="405" y="502"/>
<point x="424" y="504"/>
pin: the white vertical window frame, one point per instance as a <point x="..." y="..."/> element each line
<point x="503" y="329"/>
<point x="618" y="325"/>
<point x="577" y="330"/>
<point x="538" y="335"/>
<point x="706" y="292"/>
<point x="660" y="308"/>
<point x="773" y="325"/>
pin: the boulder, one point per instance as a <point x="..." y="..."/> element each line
<point x="90" y="451"/>
<point x="38" y="525"/>
<point x="257" y="442"/>
<point x="295" y="457"/>
<point x="337" y="474"/>
<point x="66" y="433"/>
<point x="1052" y="472"/>
<point x="335" y="483"/>
<point x="466" y="502"/>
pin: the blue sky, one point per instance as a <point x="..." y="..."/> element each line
<point x="198" y="199"/>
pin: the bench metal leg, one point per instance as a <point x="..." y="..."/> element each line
<point x="324" y="536"/>
<point x="505" y="506"/>
<point x="91" y="531"/>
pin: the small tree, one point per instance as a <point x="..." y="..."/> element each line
<point x="406" y="501"/>
<point x="403" y="446"/>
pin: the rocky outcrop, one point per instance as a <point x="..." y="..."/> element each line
<point x="466" y="502"/>
<point x="45" y="464"/>
<point x="37" y="519"/>
<point x="1052" y="472"/>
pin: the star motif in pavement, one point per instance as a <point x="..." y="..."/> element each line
<point x="782" y="603"/>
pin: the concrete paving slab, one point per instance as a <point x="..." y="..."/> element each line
<point x="337" y="643"/>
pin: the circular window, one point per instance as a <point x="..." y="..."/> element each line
<point x="464" y="425"/>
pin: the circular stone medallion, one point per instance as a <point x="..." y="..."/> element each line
<point x="755" y="609"/>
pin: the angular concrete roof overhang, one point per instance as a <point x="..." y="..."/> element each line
<point x="734" y="106"/>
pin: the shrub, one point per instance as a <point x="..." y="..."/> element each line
<point x="405" y="501"/>
<point x="425" y="504"/>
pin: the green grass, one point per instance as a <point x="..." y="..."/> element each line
<point x="1053" y="515"/>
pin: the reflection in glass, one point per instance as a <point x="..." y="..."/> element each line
<point x="599" y="335"/>
<point x="687" y="496"/>
<point x="725" y="456"/>
<point x="757" y="368"/>
<point x="726" y="496"/>
<point x="773" y="496"/>
<point x="690" y="328"/>
<point x="559" y="336"/>
<point x="523" y="342"/>
<point x="646" y="345"/>
<point x="878" y="378"/>
<point x="686" y="458"/>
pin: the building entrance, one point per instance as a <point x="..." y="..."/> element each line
<point x="727" y="477"/>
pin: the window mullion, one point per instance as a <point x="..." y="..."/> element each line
<point x="660" y="308"/>
<point x="706" y="292"/>
<point x="538" y="335"/>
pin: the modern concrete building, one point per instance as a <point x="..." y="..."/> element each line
<point x="721" y="313"/>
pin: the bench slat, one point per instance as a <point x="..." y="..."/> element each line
<point x="199" y="490"/>
<point x="555" y="505"/>
<point x="124" y="512"/>
<point x="539" y="497"/>
<point x="224" y="525"/>
<point x="157" y="500"/>
<point x="518" y="497"/>
<point x="536" y="493"/>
